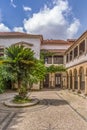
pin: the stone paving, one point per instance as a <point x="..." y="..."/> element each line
<point x="57" y="110"/>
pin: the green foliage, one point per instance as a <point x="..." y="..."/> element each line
<point x="20" y="61"/>
<point x="45" y="53"/>
<point x="18" y="99"/>
<point x="5" y="77"/>
<point x="39" y="71"/>
<point x="23" y="92"/>
<point x="24" y="66"/>
<point x="20" y="58"/>
<point x="21" y="67"/>
<point x="2" y="89"/>
<point x="32" y="79"/>
<point x="53" y="69"/>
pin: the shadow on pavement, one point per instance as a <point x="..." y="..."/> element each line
<point x="53" y="102"/>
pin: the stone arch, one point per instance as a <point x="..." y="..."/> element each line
<point x="70" y="74"/>
<point x="75" y="79"/>
<point x="82" y="78"/>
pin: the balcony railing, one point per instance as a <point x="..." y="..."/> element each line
<point x="54" y="60"/>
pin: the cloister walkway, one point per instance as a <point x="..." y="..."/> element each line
<point x="57" y="110"/>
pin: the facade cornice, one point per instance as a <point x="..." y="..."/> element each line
<point x="19" y="34"/>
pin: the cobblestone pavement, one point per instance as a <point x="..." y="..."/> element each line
<point x="57" y="110"/>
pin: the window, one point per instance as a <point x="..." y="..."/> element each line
<point x="71" y="55"/>
<point x="67" y="58"/>
<point x="1" y="51"/>
<point x="58" y="59"/>
<point x="48" y="59"/>
<point x="82" y="47"/>
<point x="75" y="51"/>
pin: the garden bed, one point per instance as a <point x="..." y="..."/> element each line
<point x="10" y="103"/>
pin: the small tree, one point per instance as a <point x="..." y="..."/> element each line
<point x="38" y="73"/>
<point x="22" y="64"/>
<point x="20" y="61"/>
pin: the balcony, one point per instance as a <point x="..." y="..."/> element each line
<point x="77" y="55"/>
<point x="57" y="60"/>
<point x="76" y="61"/>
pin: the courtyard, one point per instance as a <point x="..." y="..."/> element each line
<point x="57" y="110"/>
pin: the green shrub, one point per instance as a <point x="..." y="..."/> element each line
<point x="19" y="99"/>
<point x="1" y="90"/>
<point x="22" y="92"/>
<point x="2" y="87"/>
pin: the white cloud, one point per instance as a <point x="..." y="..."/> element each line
<point x="53" y="22"/>
<point x="4" y="28"/>
<point x="26" y="8"/>
<point x="12" y="3"/>
<point x="18" y="29"/>
<point x="73" y="28"/>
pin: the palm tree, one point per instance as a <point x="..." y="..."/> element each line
<point x="21" y="62"/>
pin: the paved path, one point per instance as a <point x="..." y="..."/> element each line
<point x="57" y="110"/>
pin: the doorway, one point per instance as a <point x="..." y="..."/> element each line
<point x="46" y="81"/>
<point x="58" y="80"/>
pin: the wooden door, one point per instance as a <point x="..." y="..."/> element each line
<point x="46" y="81"/>
<point x="57" y="80"/>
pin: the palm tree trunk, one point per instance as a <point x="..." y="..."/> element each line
<point x="19" y="83"/>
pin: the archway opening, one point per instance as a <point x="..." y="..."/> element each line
<point x="75" y="79"/>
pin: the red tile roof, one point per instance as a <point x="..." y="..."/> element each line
<point x="56" y="42"/>
<point x="18" y="34"/>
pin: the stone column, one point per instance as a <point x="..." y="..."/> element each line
<point x="41" y="85"/>
<point x="65" y="81"/>
<point x="72" y="55"/>
<point x="52" y="80"/>
<point x="73" y="83"/>
<point x="79" y="91"/>
<point x="52" y="60"/>
<point x="85" y="84"/>
<point x="69" y="82"/>
<point x="53" y="84"/>
<point x="78" y="50"/>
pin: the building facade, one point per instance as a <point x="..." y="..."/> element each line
<point x="71" y="53"/>
<point x="57" y="48"/>
<point x="76" y="64"/>
<point x="10" y="38"/>
<point x="15" y="38"/>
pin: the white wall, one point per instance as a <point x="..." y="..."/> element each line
<point x="57" y="46"/>
<point x="35" y="41"/>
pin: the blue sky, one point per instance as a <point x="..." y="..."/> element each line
<point x="54" y="19"/>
